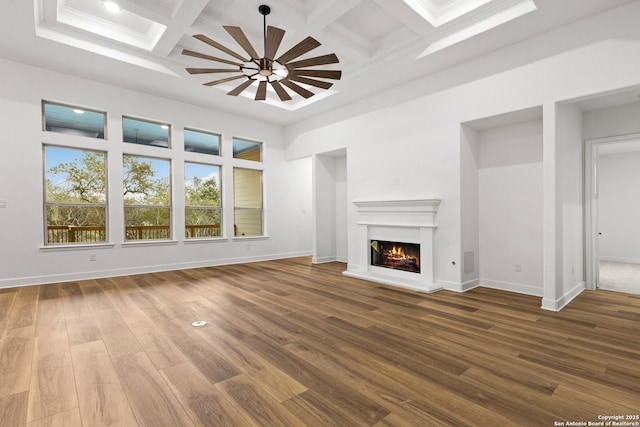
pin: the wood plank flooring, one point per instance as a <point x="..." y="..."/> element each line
<point x="293" y="344"/>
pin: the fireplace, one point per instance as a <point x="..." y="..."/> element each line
<point x="396" y="255"/>
<point x="395" y="243"/>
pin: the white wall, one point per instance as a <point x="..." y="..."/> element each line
<point x="22" y="259"/>
<point x="510" y="207"/>
<point x="619" y="207"/>
<point x="570" y="136"/>
<point x="330" y="208"/>
<point x="469" y="205"/>
<point x="417" y="142"/>
<point x="613" y="121"/>
<point x="342" y="254"/>
<point x="324" y="209"/>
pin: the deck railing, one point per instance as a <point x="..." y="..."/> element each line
<point x="81" y="234"/>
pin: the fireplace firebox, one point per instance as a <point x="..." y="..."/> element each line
<point x="396" y="255"/>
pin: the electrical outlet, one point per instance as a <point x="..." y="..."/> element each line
<point x="518" y="268"/>
<point x="3" y="203"/>
<point x="92" y="257"/>
<point x="573" y="271"/>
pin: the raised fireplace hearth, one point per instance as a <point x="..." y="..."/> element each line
<point x="395" y="243"/>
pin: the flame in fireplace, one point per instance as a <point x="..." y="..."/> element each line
<point x="401" y="256"/>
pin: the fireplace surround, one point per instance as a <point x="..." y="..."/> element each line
<point x="410" y="222"/>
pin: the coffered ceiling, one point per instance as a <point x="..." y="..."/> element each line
<point x="380" y="43"/>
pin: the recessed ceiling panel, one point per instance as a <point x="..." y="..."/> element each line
<point x="370" y="22"/>
<point x="91" y="16"/>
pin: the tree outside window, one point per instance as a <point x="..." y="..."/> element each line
<point x="202" y="201"/>
<point x="75" y="196"/>
<point x="147" y="198"/>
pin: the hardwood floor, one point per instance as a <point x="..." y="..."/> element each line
<point x="292" y="344"/>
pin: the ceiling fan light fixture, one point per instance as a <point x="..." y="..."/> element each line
<point x="269" y="69"/>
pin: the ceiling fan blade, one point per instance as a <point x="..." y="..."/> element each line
<point x="261" y="93"/>
<point x="211" y="70"/>
<point x="239" y="36"/>
<point x="282" y="93"/>
<point x="218" y="46"/>
<point x="210" y="58"/>
<point x="312" y="82"/>
<point x="237" y="91"/>
<point x="297" y="89"/>
<point x="228" y="79"/>
<point x="301" y="48"/>
<point x="311" y="62"/>
<point x="324" y="74"/>
<point x="274" y="38"/>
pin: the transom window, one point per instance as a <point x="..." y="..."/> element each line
<point x="70" y="120"/>
<point x="247" y="150"/>
<point x="201" y="142"/>
<point x="145" y="132"/>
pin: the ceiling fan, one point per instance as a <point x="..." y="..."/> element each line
<point x="279" y="72"/>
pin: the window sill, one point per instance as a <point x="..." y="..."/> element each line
<point x="242" y="238"/>
<point x="206" y="240"/>
<point x="149" y="243"/>
<point x="74" y="247"/>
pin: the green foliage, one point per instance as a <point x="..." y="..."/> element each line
<point x="147" y="196"/>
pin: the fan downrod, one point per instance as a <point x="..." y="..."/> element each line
<point x="264" y="9"/>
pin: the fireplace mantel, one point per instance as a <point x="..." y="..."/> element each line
<point x="406" y="220"/>
<point x="412" y="205"/>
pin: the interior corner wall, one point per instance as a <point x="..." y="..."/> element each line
<point x="342" y="254"/>
<point x="510" y="198"/>
<point x="22" y="259"/>
<point x="469" y="205"/>
<point x="619" y="207"/>
<point x="570" y="140"/>
<point x="324" y="209"/>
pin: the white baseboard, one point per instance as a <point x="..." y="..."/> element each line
<point x="560" y="303"/>
<point x="459" y="287"/>
<point x="99" y="274"/>
<point x="322" y="260"/>
<point x="619" y="259"/>
<point x="512" y="287"/>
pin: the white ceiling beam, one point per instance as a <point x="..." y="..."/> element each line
<point x="405" y="14"/>
<point x="328" y="11"/>
<point x="184" y="15"/>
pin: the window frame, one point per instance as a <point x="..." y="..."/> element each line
<point x="45" y="102"/>
<point x="151" y="121"/>
<point x="261" y="209"/>
<point x="169" y="206"/>
<point x="46" y="204"/>
<point x="207" y="132"/>
<point x="249" y="140"/>
<point x="218" y="208"/>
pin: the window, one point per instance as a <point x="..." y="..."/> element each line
<point x="147" y="200"/>
<point x="247" y="150"/>
<point x="202" y="211"/>
<point x="75" y="195"/>
<point x="145" y="132"/>
<point x="247" y="200"/>
<point x="71" y="120"/>
<point x="201" y="142"/>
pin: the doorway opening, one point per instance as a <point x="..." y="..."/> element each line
<point x="613" y="210"/>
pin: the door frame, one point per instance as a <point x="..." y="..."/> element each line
<point x="591" y="197"/>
